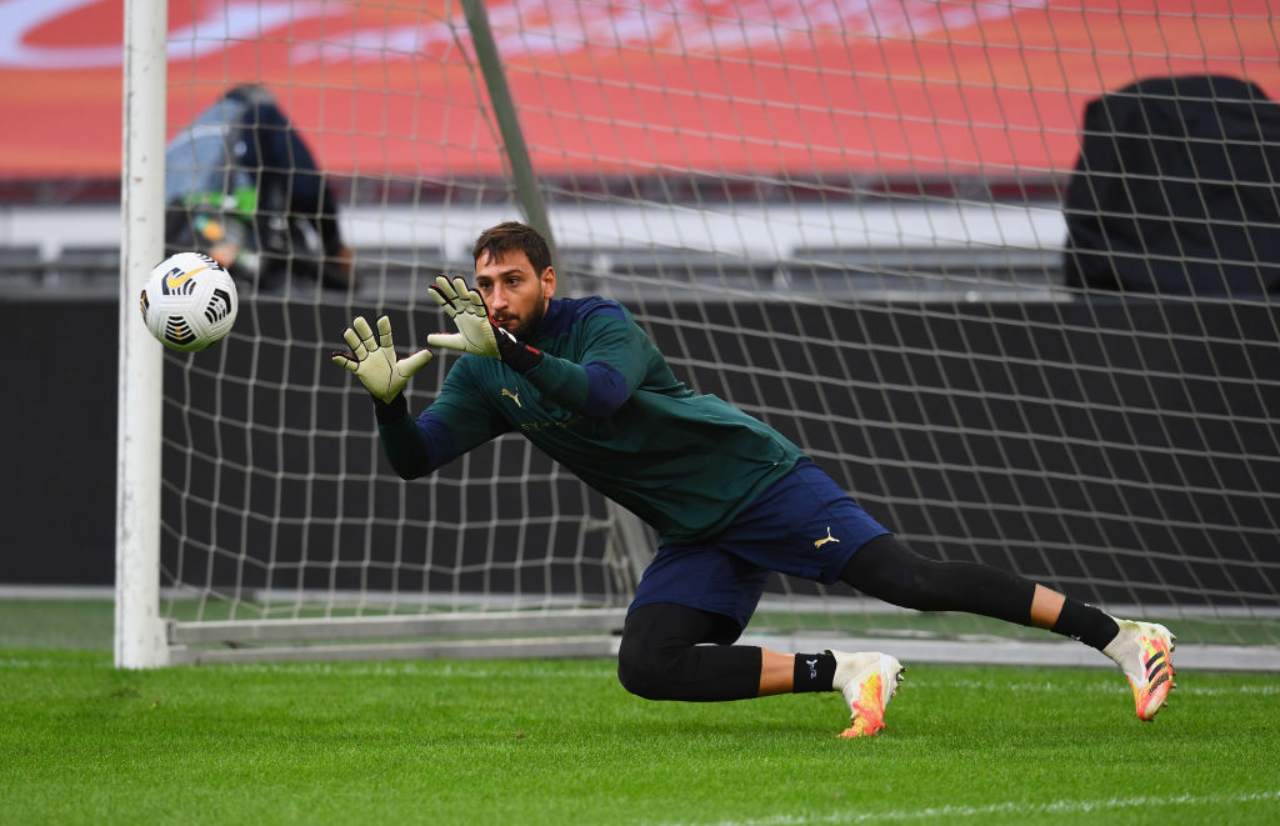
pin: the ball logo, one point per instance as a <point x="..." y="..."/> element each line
<point x="219" y="306"/>
<point x="177" y="281"/>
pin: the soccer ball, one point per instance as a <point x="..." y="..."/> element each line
<point x="189" y="302"/>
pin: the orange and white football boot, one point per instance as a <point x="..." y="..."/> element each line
<point x="868" y="681"/>
<point x="1144" y="651"/>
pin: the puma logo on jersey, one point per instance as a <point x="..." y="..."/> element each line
<point x="515" y="397"/>
<point x="818" y="543"/>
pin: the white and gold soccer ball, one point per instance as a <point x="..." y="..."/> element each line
<point x="189" y="302"/>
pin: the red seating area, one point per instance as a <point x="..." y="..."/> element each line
<point x="779" y="88"/>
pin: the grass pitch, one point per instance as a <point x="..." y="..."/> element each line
<point x="561" y="742"/>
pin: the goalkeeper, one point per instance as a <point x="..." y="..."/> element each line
<point x="731" y="498"/>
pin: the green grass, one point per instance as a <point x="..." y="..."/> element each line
<point x="561" y="742"/>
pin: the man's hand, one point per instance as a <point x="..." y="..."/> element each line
<point x="374" y="361"/>
<point x="476" y="333"/>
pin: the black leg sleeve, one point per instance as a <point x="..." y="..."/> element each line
<point x="659" y="658"/>
<point x="887" y="569"/>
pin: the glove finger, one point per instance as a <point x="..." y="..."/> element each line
<point x="414" y="363"/>
<point x="344" y="360"/>
<point x="445" y="304"/>
<point x="384" y="332"/>
<point x="464" y="293"/>
<point x="445" y="288"/>
<point x="353" y="340"/>
<point x="449" y="341"/>
<point x="436" y="295"/>
<point x="366" y="333"/>
<point x="477" y="306"/>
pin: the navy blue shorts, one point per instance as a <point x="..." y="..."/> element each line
<point x="803" y="525"/>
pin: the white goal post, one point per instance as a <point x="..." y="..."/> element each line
<point x="140" y="635"/>
<point x="857" y="221"/>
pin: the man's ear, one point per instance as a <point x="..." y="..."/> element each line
<point x="548" y="279"/>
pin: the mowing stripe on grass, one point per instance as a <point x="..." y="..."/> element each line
<point x="1064" y="807"/>
<point x="605" y="674"/>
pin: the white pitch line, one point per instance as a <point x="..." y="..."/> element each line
<point x="1064" y="807"/>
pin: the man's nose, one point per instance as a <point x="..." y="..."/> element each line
<point x="497" y="298"/>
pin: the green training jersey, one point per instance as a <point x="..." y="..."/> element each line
<point x="604" y="403"/>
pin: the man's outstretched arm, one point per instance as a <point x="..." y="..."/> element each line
<point x="612" y="367"/>
<point x="414" y="447"/>
<point x="456" y="423"/>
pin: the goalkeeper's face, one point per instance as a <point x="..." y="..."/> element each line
<point x="516" y="295"/>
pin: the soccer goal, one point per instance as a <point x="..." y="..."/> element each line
<point x="862" y="223"/>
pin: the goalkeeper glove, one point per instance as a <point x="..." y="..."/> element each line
<point x="374" y="361"/>
<point x="477" y="334"/>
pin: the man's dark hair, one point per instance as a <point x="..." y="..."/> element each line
<point x="513" y="235"/>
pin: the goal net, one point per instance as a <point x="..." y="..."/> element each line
<point x="1022" y="323"/>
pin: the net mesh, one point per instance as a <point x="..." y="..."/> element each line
<point x="1021" y="322"/>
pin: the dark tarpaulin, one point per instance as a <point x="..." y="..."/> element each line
<point x="1175" y="191"/>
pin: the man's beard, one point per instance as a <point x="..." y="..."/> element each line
<point x="529" y="326"/>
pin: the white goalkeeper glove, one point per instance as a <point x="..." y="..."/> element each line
<point x="466" y="308"/>
<point x="374" y="360"/>
<point x="477" y="334"/>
